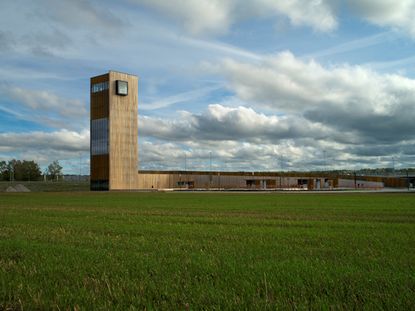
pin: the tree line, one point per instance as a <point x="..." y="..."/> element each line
<point x="23" y="170"/>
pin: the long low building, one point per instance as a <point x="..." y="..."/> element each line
<point x="206" y="180"/>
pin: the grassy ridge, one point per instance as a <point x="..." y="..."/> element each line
<point x="194" y="250"/>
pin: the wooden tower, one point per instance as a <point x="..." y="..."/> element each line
<point x="114" y="151"/>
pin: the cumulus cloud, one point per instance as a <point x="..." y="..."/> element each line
<point x="237" y="138"/>
<point x="240" y="138"/>
<point x="387" y="13"/>
<point x="44" y="147"/>
<point x="318" y="117"/>
<point x="286" y="107"/>
<point x="229" y="123"/>
<point x="247" y="156"/>
<point x="348" y="98"/>
<point x="216" y="16"/>
<point x="62" y="140"/>
<point x="226" y="156"/>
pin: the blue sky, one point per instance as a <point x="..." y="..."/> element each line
<point x="254" y="84"/>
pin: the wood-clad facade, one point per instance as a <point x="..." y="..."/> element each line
<point x="123" y="127"/>
<point x="247" y="180"/>
<point x="114" y="150"/>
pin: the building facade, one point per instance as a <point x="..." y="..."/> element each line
<point x="113" y="131"/>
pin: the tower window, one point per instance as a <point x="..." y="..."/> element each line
<point x="99" y="136"/>
<point x="99" y="87"/>
<point x="122" y="87"/>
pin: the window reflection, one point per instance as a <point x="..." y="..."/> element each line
<point x="99" y="87"/>
<point x="99" y="136"/>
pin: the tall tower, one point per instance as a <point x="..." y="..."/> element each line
<point x="114" y="151"/>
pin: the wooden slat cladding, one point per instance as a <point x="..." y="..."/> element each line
<point x="123" y="133"/>
<point x="271" y="183"/>
<point x="234" y="180"/>
<point x="100" y="167"/>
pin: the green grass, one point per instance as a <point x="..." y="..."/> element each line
<point x="124" y="251"/>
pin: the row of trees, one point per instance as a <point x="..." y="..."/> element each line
<point x="28" y="170"/>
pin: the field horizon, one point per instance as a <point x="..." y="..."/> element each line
<point x="122" y="250"/>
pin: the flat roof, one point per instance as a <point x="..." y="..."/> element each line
<point x="109" y="71"/>
<point x="126" y="73"/>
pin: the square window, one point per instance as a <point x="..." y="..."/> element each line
<point x="122" y="87"/>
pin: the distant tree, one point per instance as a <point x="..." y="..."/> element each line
<point x="31" y="170"/>
<point x="4" y="170"/>
<point x="19" y="170"/>
<point x="54" y="170"/>
<point x="8" y="173"/>
<point x="16" y="167"/>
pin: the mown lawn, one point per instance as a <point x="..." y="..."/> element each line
<point x="195" y="251"/>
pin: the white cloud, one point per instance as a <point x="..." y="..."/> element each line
<point x="281" y="104"/>
<point x="44" y="147"/>
<point x="354" y="45"/>
<point x="216" y="16"/>
<point x="387" y="13"/>
<point x="80" y="13"/>
<point x="60" y="140"/>
<point x="228" y="156"/>
<point x="219" y="47"/>
<point x="316" y="13"/>
<point x="184" y="97"/>
<point x="196" y="16"/>
<point x="393" y="64"/>
<point x="240" y="138"/>
<point x="352" y="114"/>
<point x="220" y="123"/>
<point x="350" y="98"/>
<point x="44" y="107"/>
<point x="43" y="100"/>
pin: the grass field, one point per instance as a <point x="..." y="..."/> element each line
<point x="194" y="251"/>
